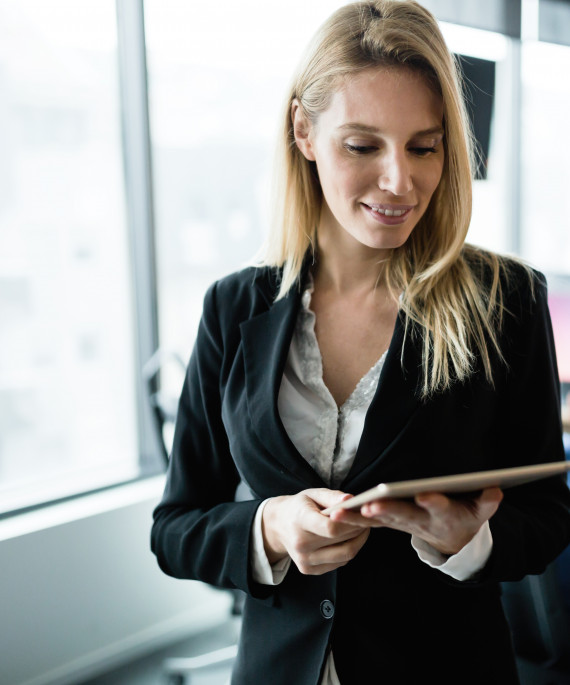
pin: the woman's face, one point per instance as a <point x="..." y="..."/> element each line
<point x="379" y="153"/>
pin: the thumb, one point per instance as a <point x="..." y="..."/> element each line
<point x="489" y="501"/>
<point x="326" y="498"/>
<point x="432" y="501"/>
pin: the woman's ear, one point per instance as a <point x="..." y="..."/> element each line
<point x="302" y="129"/>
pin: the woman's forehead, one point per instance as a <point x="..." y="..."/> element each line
<point x="380" y="97"/>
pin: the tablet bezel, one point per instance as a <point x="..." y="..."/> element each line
<point x="457" y="483"/>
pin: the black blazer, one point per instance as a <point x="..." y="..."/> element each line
<point x="385" y="612"/>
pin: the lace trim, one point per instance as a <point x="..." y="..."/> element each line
<point x="312" y="368"/>
<point x="330" y="438"/>
<point x="361" y="397"/>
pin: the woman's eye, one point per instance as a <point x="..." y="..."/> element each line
<point x="359" y="149"/>
<point x="422" y="151"/>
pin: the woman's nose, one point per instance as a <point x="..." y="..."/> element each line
<point x="395" y="174"/>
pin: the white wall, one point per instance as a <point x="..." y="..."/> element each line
<point x="80" y="590"/>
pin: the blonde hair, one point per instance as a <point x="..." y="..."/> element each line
<point x="444" y="297"/>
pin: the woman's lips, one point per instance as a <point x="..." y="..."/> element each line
<point x="389" y="214"/>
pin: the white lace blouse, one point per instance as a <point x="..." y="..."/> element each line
<point x="325" y="435"/>
<point x="328" y="437"/>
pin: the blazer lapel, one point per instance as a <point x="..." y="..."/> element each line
<point x="393" y="405"/>
<point x="266" y="339"/>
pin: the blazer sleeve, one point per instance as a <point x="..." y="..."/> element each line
<point x="199" y="532"/>
<point x="532" y="525"/>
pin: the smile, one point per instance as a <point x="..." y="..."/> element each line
<point x="389" y="215"/>
<point x="390" y="211"/>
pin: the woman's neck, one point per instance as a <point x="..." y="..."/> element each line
<point x="345" y="265"/>
<point x="348" y="271"/>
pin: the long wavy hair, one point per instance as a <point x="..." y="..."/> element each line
<point x="449" y="305"/>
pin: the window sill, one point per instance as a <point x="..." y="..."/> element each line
<point x="85" y="506"/>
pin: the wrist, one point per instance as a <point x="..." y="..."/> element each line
<point x="274" y="547"/>
<point x="451" y="550"/>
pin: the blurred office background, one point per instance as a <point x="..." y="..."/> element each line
<point x="135" y="159"/>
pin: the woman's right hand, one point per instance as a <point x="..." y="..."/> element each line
<point x="293" y="525"/>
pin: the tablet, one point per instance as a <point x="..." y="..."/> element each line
<point x="463" y="482"/>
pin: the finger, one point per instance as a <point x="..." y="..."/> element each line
<point x="491" y="495"/>
<point x="325" y="498"/>
<point x="433" y="502"/>
<point x="489" y="502"/>
<point x="335" y="555"/>
<point x="353" y="518"/>
<point x="329" y="527"/>
<point x="332" y="531"/>
<point x="316" y="525"/>
<point x="481" y="507"/>
<point x="398" y="514"/>
<point x="390" y="509"/>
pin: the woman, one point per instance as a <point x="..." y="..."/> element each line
<point x="372" y="345"/>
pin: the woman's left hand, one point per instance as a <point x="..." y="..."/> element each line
<point x="446" y="523"/>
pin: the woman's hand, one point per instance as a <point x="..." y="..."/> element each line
<point x="446" y="523"/>
<point x="293" y="525"/>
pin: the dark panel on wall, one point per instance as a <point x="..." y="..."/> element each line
<point x="479" y="79"/>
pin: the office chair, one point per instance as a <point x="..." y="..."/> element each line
<point x="179" y="671"/>
<point x="538" y="611"/>
<point x="540" y="628"/>
<point x="163" y="406"/>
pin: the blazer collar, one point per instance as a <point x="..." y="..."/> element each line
<point x="266" y="340"/>
<point x="395" y="402"/>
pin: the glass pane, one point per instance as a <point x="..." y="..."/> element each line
<point x="490" y="224"/>
<point x="545" y="170"/>
<point x="545" y="195"/>
<point x="217" y="75"/>
<point x="559" y="303"/>
<point x="67" y="421"/>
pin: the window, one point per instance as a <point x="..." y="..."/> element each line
<point x="217" y="75"/>
<point x="491" y="223"/>
<point x="545" y="181"/>
<point x="73" y="336"/>
<point x="545" y="196"/>
<point x="67" y="405"/>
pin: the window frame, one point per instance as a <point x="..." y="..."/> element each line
<point x="137" y="175"/>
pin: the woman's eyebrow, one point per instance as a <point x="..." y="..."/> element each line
<point x="363" y="128"/>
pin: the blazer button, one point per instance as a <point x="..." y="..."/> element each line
<point x="327" y="608"/>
